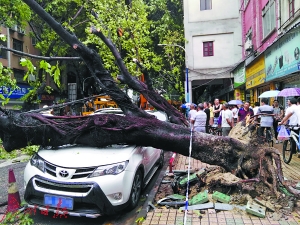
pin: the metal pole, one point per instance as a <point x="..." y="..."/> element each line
<point x="84" y="81"/>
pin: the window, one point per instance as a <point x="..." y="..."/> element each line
<point x="19" y="75"/>
<point x="269" y="19"/>
<point x="3" y="53"/>
<point x="205" y="4"/>
<point x="208" y="48"/>
<point x="18" y="45"/>
<point x="33" y="41"/>
<point x="291" y="8"/>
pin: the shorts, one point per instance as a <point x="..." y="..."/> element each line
<point x="216" y="120"/>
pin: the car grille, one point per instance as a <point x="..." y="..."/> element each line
<point x="79" y="173"/>
<point x="51" y="187"/>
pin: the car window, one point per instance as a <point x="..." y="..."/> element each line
<point x="117" y="111"/>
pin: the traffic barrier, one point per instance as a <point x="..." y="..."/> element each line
<point x="14" y="200"/>
<point x="171" y="163"/>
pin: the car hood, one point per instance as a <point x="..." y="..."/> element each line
<point x="86" y="156"/>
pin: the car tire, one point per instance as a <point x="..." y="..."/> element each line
<point x="136" y="190"/>
<point x="161" y="160"/>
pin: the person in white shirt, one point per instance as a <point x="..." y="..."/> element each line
<point x="234" y="111"/>
<point x="292" y="120"/>
<point x="192" y="111"/>
<point x="292" y="117"/>
<point x="198" y="120"/>
<point x="227" y="120"/>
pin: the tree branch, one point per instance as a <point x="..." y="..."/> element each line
<point x="38" y="57"/>
<point x="154" y="98"/>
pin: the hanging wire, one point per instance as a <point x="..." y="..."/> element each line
<point x="188" y="183"/>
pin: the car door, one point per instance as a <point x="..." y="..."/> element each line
<point x="149" y="158"/>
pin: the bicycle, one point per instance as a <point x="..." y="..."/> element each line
<point x="267" y="135"/>
<point x="292" y="145"/>
<point x="214" y="130"/>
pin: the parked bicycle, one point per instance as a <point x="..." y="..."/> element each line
<point x="267" y="135"/>
<point x="214" y="130"/>
<point x="292" y="145"/>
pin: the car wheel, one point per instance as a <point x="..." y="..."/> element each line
<point x="161" y="161"/>
<point x="135" y="190"/>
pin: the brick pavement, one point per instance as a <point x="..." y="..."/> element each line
<point x="173" y="216"/>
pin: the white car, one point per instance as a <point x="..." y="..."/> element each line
<point x="88" y="181"/>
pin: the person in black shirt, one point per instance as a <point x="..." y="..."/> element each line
<point x="207" y="111"/>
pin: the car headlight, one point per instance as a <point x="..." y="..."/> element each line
<point x="38" y="162"/>
<point x="112" y="169"/>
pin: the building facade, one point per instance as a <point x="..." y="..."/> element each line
<point x="213" y="47"/>
<point x="271" y="43"/>
<point x="17" y="39"/>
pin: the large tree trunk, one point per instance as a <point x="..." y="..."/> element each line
<point x="242" y="154"/>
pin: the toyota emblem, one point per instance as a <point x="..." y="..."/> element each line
<point x="63" y="173"/>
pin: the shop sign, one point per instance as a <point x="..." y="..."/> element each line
<point x="283" y="57"/>
<point x="255" y="73"/>
<point x="47" y="97"/>
<point x="239" y="76"/>
<point x="17" y="93"/>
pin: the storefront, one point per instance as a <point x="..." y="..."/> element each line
<point x="255" y="79"/>
<point x="282" y="58"/>
<point x="239" y="82"/>
<point x="282" y="61"/>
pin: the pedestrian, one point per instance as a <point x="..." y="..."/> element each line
<point x="266" y="120"/>
<point x="192" y="112"/>
<point x="211" y="116"/>
<point x="216" y="110"/>
<point x="292" y="113"/>
<point x="278" y="115"/>
<point x="234" y="111"/>
<point x="227" y="120"/>
<point x="244" y="111"/>
<point x="199" y="120"/>
<point x="207" y="111"/>
<point x="292" y="118"/>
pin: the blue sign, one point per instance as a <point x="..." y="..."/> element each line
<point x="17" y="93"/>
<point x="283" y="57"/>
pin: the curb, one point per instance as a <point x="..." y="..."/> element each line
<point x="8" y="162"/>
<point x="151" y="196"/>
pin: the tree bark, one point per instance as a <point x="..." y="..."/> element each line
<point x="242" y="153"/>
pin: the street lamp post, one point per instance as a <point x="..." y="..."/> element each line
<point x="187" y="96"/>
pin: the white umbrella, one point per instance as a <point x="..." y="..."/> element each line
<point x="269" y="94"/>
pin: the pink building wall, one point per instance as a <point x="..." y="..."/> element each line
<point x="251" y="16"/>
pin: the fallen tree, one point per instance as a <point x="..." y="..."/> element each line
<point x="243" y="153"/>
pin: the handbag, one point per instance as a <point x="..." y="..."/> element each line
<point x="283" y="133"/>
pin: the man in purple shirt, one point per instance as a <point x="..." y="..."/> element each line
<point x="244" y="111"/>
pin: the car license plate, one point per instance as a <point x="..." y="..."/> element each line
<point x="58" y="201"/>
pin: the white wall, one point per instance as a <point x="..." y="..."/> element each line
<point x="221" y="9"/>
<point x="223" y="48"/>
<point x="221" y="25"/>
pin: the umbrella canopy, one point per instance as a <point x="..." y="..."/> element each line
<point x="269" y="94"/>
<point x="235" y="102"/>
<point x="287" y="92"/>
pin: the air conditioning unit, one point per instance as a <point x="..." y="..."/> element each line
<point x="248" y="45"/>
<point x="21" y="31"/>
<point x="14" y="28"/>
